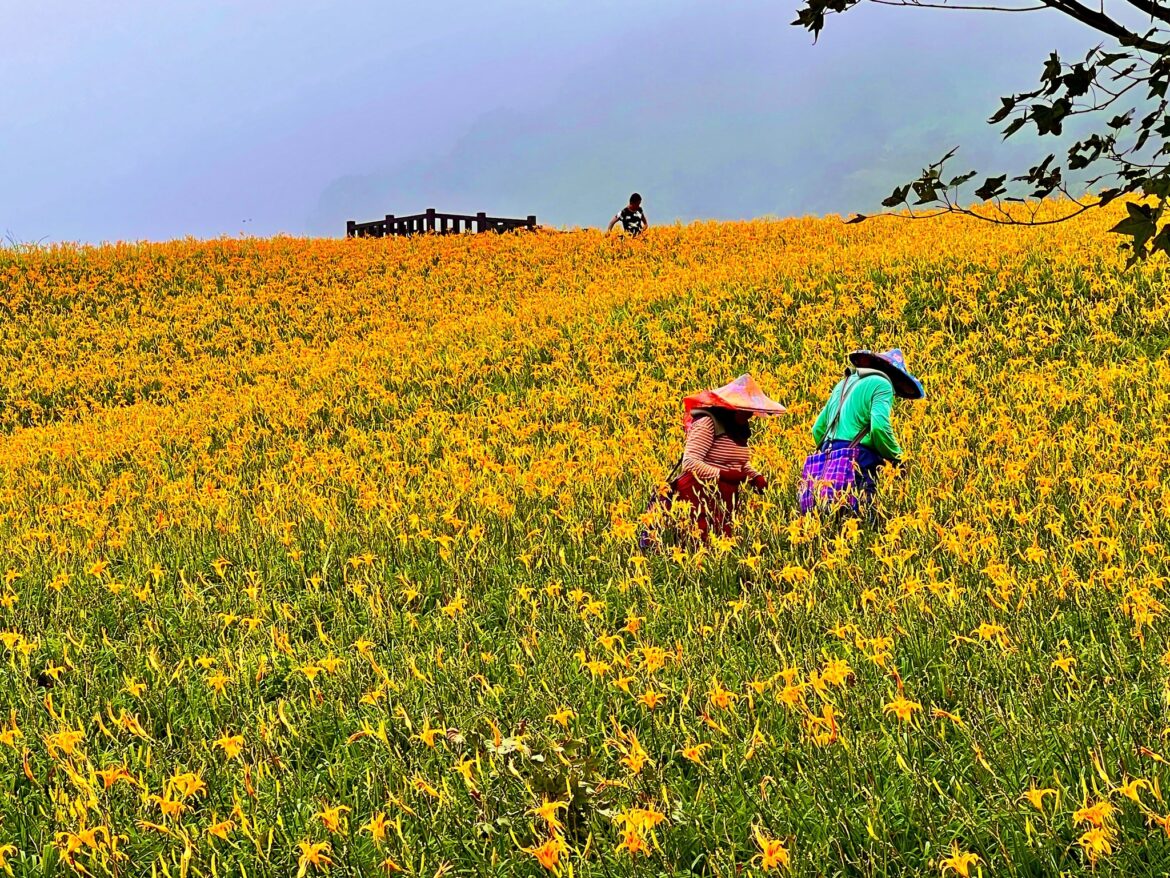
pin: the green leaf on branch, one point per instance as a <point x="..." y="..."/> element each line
<point x="1119" y="122"/>
<point x="1140" y="226"/>
<point x="1158" y="187"/>
<point x="1003" y="112"/>
<point x="991" y="188"/>
<point x="1049" y="118"/>
<point x="897" y="197"/>
<point x="1078" y="80"/>
<point x="1016" y="125"/>
<point x="1161" y="242"/>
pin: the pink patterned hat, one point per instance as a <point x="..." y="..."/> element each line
<point x="742" y="394"/>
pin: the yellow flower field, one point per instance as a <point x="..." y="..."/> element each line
<point x="319" y="557"/>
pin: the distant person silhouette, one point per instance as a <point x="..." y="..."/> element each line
<point x="632" y="217"/>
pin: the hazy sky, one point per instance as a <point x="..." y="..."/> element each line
<point x="135" y="119"/>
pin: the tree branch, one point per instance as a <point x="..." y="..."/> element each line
<point x="964" y="211"/>
<point x="1095" y="19"/>
<point x="1152" y="8"/>
<point x="945" y="5"/>
<point x="1099" y="21"/>
<point x="1098" y="106"/>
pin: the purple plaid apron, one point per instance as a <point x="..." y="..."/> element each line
<point x="829" y="479"/>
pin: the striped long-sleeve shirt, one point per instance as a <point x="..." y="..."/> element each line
<point x="708" y="456"/>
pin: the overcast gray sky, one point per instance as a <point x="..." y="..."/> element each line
<point x="136" y="119"/>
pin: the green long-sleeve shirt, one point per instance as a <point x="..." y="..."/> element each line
<point x="869" y="402"/>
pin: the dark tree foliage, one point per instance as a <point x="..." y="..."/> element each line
<point x="1121" y="85"/>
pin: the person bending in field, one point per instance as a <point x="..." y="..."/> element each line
<point x="853" y="434"/>
<point x="716" y="462"/>
<point x="632" y="217"/>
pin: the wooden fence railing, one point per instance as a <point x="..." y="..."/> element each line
<point x="430" y="221"/>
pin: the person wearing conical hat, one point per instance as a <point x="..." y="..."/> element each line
<point x="857" y="414"/>
<point x="716" y="462"/>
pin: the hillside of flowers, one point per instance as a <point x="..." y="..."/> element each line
<point x="319" y="557"/>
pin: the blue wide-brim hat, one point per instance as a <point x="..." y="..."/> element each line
<point x="893" y="364"/>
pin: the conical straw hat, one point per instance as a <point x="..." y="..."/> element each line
<point x="742" y="394"/>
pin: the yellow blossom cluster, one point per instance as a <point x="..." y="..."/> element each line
<point x="319" y="557"/>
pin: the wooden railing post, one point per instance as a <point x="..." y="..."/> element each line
<point x="433" y="221"/>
